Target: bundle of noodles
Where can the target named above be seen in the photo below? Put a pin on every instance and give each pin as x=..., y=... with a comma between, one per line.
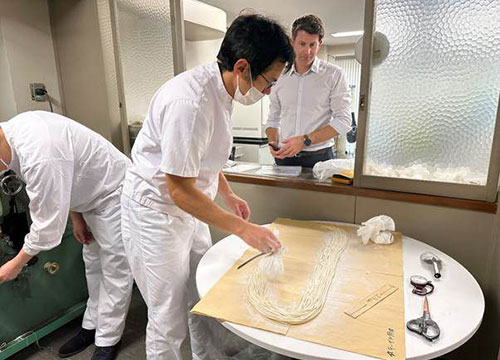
x=314, y=294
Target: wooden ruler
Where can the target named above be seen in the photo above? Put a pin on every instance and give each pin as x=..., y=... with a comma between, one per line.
x=365, y=304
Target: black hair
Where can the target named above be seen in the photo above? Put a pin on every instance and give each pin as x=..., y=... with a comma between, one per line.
x=257, y=39
x=311, y=24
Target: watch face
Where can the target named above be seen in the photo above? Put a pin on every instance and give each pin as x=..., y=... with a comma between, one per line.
x=307, y=141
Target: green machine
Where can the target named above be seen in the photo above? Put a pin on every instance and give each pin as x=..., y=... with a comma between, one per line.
x=48, y=293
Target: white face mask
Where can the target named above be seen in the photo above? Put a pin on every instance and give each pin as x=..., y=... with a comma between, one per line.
x=251, y=97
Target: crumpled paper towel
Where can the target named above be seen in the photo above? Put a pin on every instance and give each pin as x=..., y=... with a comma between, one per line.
x=373, y=230
x=323, y=170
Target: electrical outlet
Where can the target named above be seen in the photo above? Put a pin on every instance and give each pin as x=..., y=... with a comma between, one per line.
x=38, y=92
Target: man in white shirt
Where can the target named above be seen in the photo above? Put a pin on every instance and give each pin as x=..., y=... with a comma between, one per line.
x=309, y=104
x=168, y=194
x=68, y=168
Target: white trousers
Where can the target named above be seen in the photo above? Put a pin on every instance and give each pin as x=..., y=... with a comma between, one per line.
x=163, y=253
x=109, y=279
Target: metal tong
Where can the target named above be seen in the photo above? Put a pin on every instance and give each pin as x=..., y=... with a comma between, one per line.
x=434, y=260
x=424, y=325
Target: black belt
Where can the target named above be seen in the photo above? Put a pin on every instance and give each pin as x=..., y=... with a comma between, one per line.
x=313, y=153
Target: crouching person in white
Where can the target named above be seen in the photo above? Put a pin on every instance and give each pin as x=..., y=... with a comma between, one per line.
x=69, y=168
x=168, y=193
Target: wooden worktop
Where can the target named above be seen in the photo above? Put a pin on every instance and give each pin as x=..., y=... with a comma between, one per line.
x=307, y=182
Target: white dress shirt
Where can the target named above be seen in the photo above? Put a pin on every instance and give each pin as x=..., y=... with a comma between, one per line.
x=301, y=104
x=187, y=132
x=65, y=166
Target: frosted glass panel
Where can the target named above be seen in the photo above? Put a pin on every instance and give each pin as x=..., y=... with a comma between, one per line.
x=145, y=43
x=434, y=99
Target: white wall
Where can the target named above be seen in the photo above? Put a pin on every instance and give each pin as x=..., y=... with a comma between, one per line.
x=7, y=103
x=26, y=56
x=492, y=321
x=201, y=52
x=85, y=55
x=341, y=50
x=323, y=53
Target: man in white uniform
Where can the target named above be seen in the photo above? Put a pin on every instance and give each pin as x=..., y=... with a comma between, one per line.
x=168, y=194
x=69, y=168
x=310, y=105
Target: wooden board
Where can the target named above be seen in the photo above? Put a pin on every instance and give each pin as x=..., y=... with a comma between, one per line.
x=362, y=270
x=362, y=306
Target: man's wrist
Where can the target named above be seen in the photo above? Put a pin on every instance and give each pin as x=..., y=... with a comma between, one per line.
x=307, y=141
x=75, y=216
x=225, y=194
x=21, y=259
x=238, y=226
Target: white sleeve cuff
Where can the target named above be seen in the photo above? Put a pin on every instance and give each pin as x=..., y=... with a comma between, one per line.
x=341, y=124
x=30, y=251
x=171, y=169
x=32, y=245
x=272, y=124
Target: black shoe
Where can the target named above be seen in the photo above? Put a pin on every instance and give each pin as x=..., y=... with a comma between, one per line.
x=77, y=344
x=105, y=352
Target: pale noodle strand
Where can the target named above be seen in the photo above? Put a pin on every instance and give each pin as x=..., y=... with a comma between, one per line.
x=315, y=291
x=272, y=266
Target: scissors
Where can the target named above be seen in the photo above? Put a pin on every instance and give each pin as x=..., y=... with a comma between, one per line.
x=424, y=325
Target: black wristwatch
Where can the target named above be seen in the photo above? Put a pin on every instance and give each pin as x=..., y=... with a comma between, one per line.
x=307, y=141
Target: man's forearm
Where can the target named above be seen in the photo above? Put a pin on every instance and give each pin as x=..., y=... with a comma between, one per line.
x=324, y=134
x=21, y=259
x=224, y=189
x=11, y=269
x=272, y=135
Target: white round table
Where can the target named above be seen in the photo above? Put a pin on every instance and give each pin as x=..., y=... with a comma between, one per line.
x=457, y=304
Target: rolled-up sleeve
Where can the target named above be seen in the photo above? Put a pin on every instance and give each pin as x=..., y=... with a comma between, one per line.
x=340, y=104
x=274, y=117
x=185, y=136
x=48, y=185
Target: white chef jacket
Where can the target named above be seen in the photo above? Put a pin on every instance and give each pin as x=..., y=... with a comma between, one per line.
x=187, y=132
x=301, y=104
x=65, y=166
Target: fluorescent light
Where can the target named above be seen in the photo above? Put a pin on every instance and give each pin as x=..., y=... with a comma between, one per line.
x=348, y=33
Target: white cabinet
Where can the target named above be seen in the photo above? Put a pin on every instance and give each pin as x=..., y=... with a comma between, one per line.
x=255, y=153
x=205, y=26
x=203, y=21
x=249, y=121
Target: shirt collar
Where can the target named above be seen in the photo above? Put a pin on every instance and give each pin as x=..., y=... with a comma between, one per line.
x=224, y=96
x=314, y=67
